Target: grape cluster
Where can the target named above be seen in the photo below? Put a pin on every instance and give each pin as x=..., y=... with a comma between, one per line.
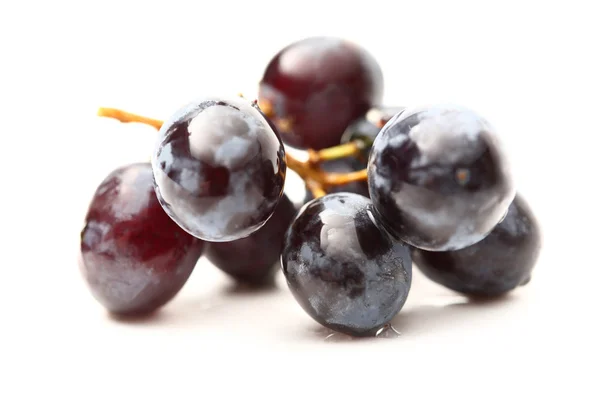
x=385, y=186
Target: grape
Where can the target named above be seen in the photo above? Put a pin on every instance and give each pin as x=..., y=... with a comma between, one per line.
x=342, y=269
x=439, y=178
x=367, y=128
x=133, y=256
x=253, y=259
x=219, y=169
x=361, y=129
x=320, y=85
x=497, y=264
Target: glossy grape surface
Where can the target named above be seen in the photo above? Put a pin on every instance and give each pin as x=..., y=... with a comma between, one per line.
x=361, y=129
x=253, y=259
x=133, y=256
x=342, y=269
x=320, y=85
x=497, y=264
x=219, y=169
x=439, y=178
x=366, y=129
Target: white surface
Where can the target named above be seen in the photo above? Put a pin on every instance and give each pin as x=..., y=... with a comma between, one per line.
x=528, y=67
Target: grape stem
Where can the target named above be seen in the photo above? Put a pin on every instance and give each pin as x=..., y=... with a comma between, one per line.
x=317, y=180
x=350, y=149
x=124, y=116
x=315, y=188
x=283, y=124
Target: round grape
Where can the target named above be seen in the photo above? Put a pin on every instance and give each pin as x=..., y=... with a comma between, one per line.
x=342, y=269
x=316, y=87
x=253, y=259
x=439, y=178
x=219, y=169
x=368, y=126
x=366, y=129
x=133, y=256
x=495, y=265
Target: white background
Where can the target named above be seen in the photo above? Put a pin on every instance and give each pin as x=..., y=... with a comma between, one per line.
x=528, y=67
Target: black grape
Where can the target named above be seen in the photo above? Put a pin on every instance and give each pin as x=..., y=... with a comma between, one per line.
x=219, y=168
x=499, y=263
x=253, y=259
x=439, y=178
x=343, y=270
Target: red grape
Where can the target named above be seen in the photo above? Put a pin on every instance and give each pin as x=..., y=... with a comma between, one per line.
x=134, y=257
x=316, y=87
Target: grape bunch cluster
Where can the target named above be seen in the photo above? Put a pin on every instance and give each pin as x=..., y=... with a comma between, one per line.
x=385, y=186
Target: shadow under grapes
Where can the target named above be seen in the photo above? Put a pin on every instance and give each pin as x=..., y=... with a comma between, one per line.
x=425, y=318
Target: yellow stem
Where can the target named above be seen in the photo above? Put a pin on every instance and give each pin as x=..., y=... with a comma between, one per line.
x=333, y=179
x=125, y=116
x=316, y=179
x=350, y=149
x=267, y=108
x=315, y=188
x=283, y=124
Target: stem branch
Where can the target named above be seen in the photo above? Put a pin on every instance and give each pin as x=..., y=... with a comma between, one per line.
x=125, y=116
x=317, y=180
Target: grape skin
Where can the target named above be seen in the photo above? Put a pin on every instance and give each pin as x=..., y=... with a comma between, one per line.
x=498, y=264
x=343, y=270
x=439, y=178
x=253, y=259
x=133, y=256
x=320, y=85
x=368, y=127
x=219, y=168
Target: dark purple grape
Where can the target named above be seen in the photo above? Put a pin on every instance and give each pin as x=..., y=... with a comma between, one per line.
x=368, y=127
x=345, y=272
x=497, y=264
x=320, y=85
x=253, y=259
x=439, y=178
x=219, y=169
x=343, y=166
x=362, y=129
x=133, y=256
